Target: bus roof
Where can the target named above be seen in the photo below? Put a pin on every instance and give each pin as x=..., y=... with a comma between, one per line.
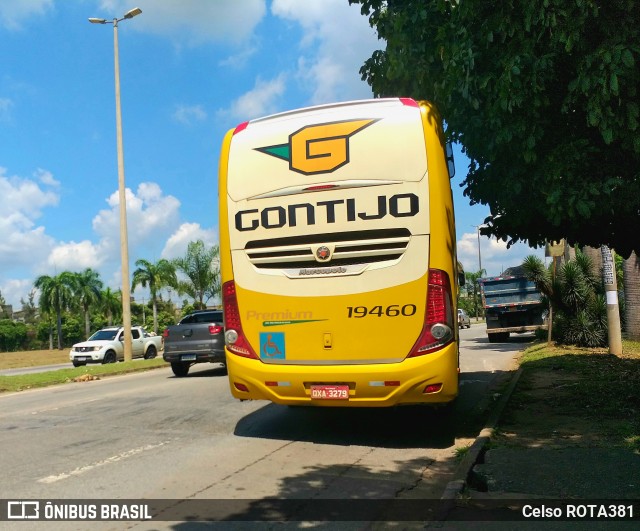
x=376, y=141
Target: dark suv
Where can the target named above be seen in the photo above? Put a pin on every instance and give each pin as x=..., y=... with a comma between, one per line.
x=197, y=338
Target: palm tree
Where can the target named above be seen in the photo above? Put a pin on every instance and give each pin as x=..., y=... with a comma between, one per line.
x=155, y=276
x=56, y=294
x=472, y=286
x=111, y=303
x=201, y=267
x=577, y=297
x=88, y=290
x=631, y=282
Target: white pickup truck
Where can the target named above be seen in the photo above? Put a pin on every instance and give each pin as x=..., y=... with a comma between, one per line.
x=107, y=346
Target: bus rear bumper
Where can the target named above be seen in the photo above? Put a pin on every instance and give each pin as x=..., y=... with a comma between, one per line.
x=428, y=379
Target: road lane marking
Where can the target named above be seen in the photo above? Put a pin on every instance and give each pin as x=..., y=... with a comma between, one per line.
x=109, y=460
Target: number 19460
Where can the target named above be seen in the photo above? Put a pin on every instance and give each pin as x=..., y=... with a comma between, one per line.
x=394, y=310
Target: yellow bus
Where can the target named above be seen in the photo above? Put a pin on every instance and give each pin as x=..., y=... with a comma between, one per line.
x=337, y=256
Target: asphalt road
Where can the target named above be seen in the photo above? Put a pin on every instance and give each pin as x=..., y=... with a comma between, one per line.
x=154, y=436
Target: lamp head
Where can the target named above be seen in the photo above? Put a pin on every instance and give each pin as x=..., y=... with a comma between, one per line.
x=133, y=13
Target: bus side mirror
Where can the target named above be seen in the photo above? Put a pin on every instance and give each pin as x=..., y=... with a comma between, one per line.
x=461, y=280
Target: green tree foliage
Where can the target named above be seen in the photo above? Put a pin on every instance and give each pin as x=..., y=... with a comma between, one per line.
x=154, y=276
x=56, y=295
x=87, y=290
x=201, y=268
x=72, y=330
x=111, y=305
x=29, y=308
x=13, y=336
x=543, y=97
x=577, y=298
x=141, y=314
x=472, y=287
x=4, y=313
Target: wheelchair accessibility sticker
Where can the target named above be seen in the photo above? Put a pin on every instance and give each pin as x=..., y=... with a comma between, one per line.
x=272, y=345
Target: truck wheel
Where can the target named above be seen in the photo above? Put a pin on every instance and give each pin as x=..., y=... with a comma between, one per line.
x=78, y=363
x=150, y=353
x=179, y=368
x=109, y=357
x=494, y=338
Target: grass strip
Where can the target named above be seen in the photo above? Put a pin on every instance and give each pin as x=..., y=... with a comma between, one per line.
x=22, y=382
x=584, y=383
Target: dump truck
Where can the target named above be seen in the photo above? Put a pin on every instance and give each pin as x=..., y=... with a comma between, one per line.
x=512, y=304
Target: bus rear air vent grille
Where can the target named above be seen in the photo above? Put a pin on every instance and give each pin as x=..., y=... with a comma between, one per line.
x=356, y=247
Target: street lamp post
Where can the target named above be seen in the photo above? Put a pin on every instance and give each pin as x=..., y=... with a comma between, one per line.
x=479, y=257
x=124, y=244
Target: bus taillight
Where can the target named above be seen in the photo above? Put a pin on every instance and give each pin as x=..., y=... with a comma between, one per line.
x=437, y=331
x=234, y=336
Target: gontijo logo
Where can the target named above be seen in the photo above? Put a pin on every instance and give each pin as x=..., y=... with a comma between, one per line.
x=320, y=148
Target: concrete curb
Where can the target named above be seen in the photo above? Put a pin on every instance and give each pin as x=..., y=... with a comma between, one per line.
x=459, y=481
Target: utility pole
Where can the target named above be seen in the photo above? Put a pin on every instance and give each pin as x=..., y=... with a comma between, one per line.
x=479, y=256
x=613, y=310
x=555, y=250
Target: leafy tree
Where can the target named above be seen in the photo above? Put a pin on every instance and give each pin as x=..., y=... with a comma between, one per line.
x=72, y=330
x=13, y=336
x=44, y=330
x=88, y=290
x=577, y=299
x=4, y=313
x=29, y=308
x=201, y=268
x=186, y=308
x=155, y=276
x=542, y=95
x=56, y=295
x=111, y=304
x=472, y=286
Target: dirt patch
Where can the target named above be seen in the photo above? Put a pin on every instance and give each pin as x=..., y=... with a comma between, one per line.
x=86, y=378
x=548, y=409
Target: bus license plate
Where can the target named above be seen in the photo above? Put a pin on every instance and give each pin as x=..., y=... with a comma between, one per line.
x=188, y=357
x=330, y=392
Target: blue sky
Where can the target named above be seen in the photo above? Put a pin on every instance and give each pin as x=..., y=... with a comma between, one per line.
x=190, y=70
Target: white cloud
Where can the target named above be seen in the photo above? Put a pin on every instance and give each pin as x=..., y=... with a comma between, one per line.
x=23, y=196
x=46, y=177
x=27, y=249
x=151, y=216
x=151, y=220
x=262, y=100
x=188, y=114
x=494, y=255
x=13, y=13
x=22, y=242
x=192, y=22
x=240, y=60
x=176, y=245
x=72, y=256
x=20, y=247
x=15, y=289
x=332, y=53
